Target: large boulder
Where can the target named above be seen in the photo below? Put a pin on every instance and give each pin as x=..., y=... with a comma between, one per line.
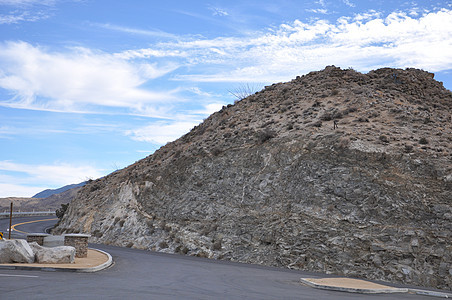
x=16, y=251
x=53, y=255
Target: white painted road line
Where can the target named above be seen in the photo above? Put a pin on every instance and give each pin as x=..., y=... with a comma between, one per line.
x=9, y=275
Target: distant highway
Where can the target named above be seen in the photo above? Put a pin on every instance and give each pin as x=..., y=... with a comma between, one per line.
x=139, y=274
x=22, y=225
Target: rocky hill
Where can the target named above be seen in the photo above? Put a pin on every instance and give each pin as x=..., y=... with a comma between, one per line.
x=270, y=180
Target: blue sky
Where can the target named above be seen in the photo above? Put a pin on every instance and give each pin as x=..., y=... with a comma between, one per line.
x=91, y=86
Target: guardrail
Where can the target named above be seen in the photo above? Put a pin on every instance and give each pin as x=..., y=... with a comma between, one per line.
x=4, y=215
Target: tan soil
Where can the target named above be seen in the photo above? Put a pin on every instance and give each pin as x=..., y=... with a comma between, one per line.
x=347, y=283
x=95, y=258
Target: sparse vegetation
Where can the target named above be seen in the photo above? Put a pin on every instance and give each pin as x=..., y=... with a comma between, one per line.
x=423, y=141
x=62, y=210
x=265, y=135
x=383, y=138
x=244, y=90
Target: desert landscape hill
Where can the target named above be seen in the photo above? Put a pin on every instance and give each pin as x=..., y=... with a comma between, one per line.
x=50, y=199
x=335, y=171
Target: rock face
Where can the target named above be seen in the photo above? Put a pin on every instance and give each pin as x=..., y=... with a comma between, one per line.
x=54, y=255
x=270, y=180
x=15, y=251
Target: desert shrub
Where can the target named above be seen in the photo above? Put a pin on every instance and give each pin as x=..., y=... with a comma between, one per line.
x=317, y=124
x=265, y=135
x=202, y=254
x=408, y=148
x=121, y=223
x=163, y=245
x=97, y=233
x=216, y=245
x=216, y=151
x=362, y=119
x=326, y=117
x=350, y=110
x=62, y=210
x=383, y=138
x=423, y=141
x=244, y=90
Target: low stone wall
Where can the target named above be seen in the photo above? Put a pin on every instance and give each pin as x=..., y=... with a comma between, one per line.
x=36, y=237
x=79, y=242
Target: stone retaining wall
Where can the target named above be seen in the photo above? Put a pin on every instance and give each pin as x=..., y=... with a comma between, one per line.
x=36, y=237
x=79, y=242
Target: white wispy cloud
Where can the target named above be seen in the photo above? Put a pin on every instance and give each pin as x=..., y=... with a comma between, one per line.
x=25, y=16
x=348, y=3
x=322, y=11
x=19, y=190
x=23, y=179
x=366, y=41
x=18, y=11
x=216, y=11
x=161, y=132
x=137, y=31
x=77, y=79
x=27, y=2
x=321, y=2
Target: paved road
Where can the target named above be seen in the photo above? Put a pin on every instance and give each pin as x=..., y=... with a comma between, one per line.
x=30, y=225
x=148, y=275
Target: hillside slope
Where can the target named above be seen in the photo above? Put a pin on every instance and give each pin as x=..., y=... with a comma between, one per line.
x=52, y=202
x=270, y=181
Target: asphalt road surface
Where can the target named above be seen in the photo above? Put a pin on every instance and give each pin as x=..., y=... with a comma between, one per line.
x=139, y=274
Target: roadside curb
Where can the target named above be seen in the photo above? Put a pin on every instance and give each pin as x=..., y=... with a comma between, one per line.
x=387, y=290
x=100, y=267
x=384, y=290
x=430, y=293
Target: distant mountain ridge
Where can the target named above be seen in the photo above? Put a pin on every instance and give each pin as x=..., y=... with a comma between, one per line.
x=49, y=192
x=57, y=197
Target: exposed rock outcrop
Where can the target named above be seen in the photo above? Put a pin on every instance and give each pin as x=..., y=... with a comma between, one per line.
x=270, y=180
x=53, y=255
x=15, y=251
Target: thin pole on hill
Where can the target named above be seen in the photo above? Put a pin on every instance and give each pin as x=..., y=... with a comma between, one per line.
x=10, y=221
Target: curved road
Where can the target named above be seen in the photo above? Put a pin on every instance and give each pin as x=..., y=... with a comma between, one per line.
x=141, y=274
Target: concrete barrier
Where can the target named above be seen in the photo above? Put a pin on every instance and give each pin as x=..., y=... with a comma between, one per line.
x=53, y=241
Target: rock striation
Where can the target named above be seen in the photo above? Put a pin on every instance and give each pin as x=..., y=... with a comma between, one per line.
x=335, y=171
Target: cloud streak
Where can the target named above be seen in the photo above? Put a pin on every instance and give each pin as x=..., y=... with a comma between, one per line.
x=161, y=132
x=77, y=80
x=35, y=177
x=365, y=42
x=136, y=31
